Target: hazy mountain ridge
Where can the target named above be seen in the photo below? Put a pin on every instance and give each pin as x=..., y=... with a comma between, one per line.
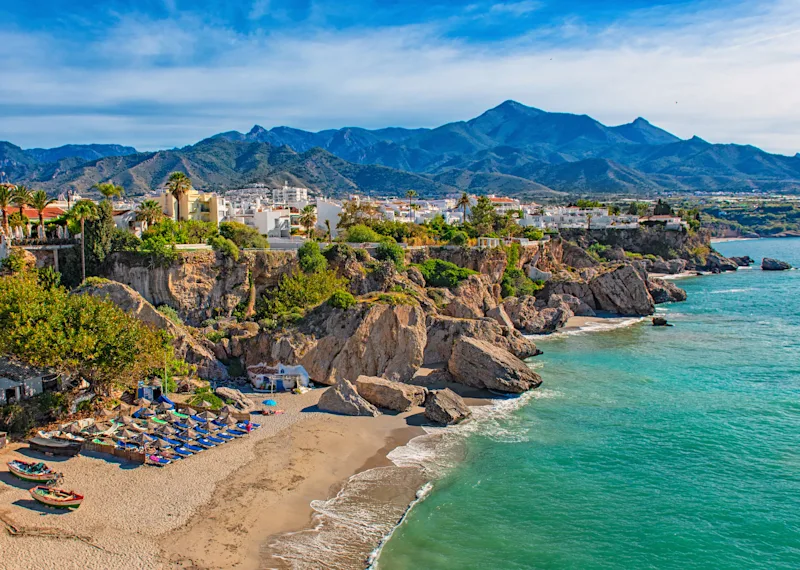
x=510, y=149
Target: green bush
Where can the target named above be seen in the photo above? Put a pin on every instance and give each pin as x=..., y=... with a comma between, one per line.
x=224, y=246
x=124, y=241
x=338, y=252
x=341, y=299
x=157, y=247
x=48, y=278
x=189, y=231
x=390, y=251
x=533, y=234
x=15, y=262
x=597, y=251
x=310, y=258
x=215, y=336
x=439, y=273
x=170, y=313
x=206, y=395
x=361, y=255
x=515, y=283
x=360, y=233
x=242, y=235
x=296, y=293
x=459, y=238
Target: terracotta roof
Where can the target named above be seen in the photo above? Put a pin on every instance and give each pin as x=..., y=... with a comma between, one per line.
x=49, y=213
x=502, y=200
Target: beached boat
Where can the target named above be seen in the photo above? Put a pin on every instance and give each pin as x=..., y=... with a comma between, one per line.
x=29, y=471
x=56, y=497
x=55, y=446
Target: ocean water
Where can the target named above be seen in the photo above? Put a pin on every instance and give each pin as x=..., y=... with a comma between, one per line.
x=646, y=447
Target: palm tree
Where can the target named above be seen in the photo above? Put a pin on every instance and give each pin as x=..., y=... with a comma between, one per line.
x=40, y=201
x=109, y=190
x=328, y=230
x=588, y=221
x=178, y=184
x=463, y=203
x=21, y=198
x=411, y=194
x=83, y=210
x=6, y=197
x=149, y=211
x=308, y=217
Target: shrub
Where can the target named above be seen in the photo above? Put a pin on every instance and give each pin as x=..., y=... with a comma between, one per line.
x=339, y=252
x=188, y=231
x=390, y=251
x=651, y=257
x=440, y=273
x=224, y=246
x=242, y=235
x=597, y=251
x=533, y=234
x=297, y=292
x=215, y=336
x=170, y=313
x=162, y=251
x=124, y=241
x=205, y=394
x=516, y=283
x=360, y=233
x=48, y=278
x=311, y=260
x=15, y=262
x=459, y=238
x=361, y=255
x=341, y=299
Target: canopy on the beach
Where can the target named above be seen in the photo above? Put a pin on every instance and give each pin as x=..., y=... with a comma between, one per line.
x=191, y=434
x=122, y=419
x=207, y=415
x=229, y=420
x=143, y=402
x=161, y=444
x=126, y=434
x=73, y=428
x=167, y=430
x=227, y=409
x=141, y=438
x=144, y=413
x=270, y=403
x=164, y=407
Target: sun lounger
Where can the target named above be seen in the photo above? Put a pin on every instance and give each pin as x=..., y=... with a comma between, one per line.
x=181, y=425
x=216, y=440
x=180, y=451
x=156, y=460
x=197, y=418
x=192, y=448
x=243, y=425
x=224, y=436
x=203, y=442
x=237, y=432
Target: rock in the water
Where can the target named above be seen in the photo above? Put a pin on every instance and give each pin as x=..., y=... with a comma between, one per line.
x=665, y=292
x=342, y=398
x=388, y=394
x=623, y=291
x=446, y=407
x=186, y=346
x=479, y=364
x=235, y=397
x=743, y=261
x=671, y=267
x=717, y=263
x=769, y=264
x=660, y=322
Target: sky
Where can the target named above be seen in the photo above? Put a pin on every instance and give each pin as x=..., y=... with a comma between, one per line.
x=164, y=73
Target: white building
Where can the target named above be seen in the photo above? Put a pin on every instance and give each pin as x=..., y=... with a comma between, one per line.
x=560, y=217
x=272, y=222
x=290, y=196
x=328, y=211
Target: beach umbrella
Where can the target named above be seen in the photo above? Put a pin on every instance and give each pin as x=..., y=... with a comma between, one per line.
x=126, y=434
x=141, y=438
x=73, y=428
x=164, y=407
x=122, y=419
x=106, y=413
x=270, y=403
x=207, y=415
x=229, y=420
x=167, y=430
x=142, y=402
x=190, y=422
x=191, y=434
x=226, y=409
x=145, y=413
x=161, y=444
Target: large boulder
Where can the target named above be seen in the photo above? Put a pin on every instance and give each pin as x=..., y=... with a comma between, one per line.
x=186, y=346
x=478, y=364
x=577, y=306
x=473, y=298
x=342, y=398
x=446, y=407
x=671, y=267
x=388, y=394
x=532, y=316
x=578, y=288
x=664, y=291
x=577, y=257
x=716, y=263
x=743, y=261
x=235, y=398
x=443, y=332
x=371, y=339
x=769, y=264
x=622, y=290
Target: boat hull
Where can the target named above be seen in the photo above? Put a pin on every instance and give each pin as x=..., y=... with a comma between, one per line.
x=54, y=447
x=32, y=477
x=66, y=503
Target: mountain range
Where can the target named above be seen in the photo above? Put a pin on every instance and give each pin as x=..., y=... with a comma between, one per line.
x=511, y=149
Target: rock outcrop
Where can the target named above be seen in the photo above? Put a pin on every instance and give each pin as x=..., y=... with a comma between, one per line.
x=443, y=332
x=478, y=364
x=623, y=291
x=446, y=407
x=235, y=398
x=743, y=261
x=533, y=316
x=185, y=345
x=390, y=395
x=716, y=263
x=473, y=298
x=769, y=264
x=664, y=291
x=342, y=398
x=670, y=267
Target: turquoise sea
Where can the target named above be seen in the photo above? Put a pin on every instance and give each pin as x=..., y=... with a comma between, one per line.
x=646, y=447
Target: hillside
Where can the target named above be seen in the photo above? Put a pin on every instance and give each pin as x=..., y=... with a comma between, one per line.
x=510, y=149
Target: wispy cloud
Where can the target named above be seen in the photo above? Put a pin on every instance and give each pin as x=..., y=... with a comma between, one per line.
x=516, y=8
x=727, y=76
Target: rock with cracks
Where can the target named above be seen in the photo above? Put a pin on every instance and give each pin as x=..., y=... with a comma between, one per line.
x=769, y=264
x=388, y=394
x=479, y=364
x=235, y=398
x=446, y=407
x=342, y=398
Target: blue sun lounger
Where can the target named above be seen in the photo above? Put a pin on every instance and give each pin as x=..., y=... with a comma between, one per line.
x=224, y=436
x=203, y=442
x=214, y=439
x=192, y=448
x=182, y=452
x=243, y=425
x=157, y=460
x=237, y=432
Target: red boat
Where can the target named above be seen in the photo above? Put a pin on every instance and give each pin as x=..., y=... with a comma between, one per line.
x=56, y=497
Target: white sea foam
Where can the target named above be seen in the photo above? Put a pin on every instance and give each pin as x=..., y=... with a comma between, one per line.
x=599, y=326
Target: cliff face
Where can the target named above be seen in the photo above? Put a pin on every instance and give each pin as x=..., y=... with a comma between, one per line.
x=201, y=285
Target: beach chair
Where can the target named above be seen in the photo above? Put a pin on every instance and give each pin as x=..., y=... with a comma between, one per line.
x=181, y=452
x=237, y=432
x=192, y=448
x=224, y=436
x=215, y=439
x=203, y=442
x=157, y=460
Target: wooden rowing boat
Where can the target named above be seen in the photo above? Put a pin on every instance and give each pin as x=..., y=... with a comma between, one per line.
x=54, y=446
x=56, y=497
x=29, y=471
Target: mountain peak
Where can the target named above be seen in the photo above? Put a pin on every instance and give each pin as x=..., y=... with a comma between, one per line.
x=257, y=130
x=641, y=122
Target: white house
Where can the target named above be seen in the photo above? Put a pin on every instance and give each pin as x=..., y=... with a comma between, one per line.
x=277, y=378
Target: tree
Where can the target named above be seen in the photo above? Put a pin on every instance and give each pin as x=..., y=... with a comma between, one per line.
x=99, y=237
x=40, y=201
x=178, y=184
x=662, y=209
x=614, y=210
x=6, y=198
x=483, y=215
x=82, y=211
x=411, y=194
x=243, y=235
x=328, y=233
x=109, y=190
x=21, y=198
x=308, y=217
x=589, y=221
x=356, y=213
x=149, y=211
x=463, y=203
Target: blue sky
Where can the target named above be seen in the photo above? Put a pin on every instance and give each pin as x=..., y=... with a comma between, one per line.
x=163, y=73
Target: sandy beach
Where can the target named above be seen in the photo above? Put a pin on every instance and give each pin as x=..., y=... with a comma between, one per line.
x=213, y=510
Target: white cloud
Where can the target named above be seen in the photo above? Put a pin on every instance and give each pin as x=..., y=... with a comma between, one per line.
x=516, y=8
x=725, y=76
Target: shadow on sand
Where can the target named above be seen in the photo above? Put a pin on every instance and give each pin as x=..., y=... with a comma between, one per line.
x=32, y=505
